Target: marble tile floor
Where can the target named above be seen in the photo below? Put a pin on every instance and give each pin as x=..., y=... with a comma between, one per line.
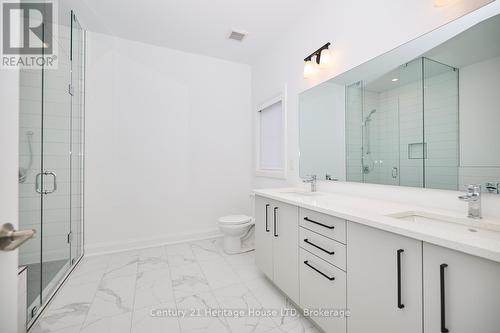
x=188, y=287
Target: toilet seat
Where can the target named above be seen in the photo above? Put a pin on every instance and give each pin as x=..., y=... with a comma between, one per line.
x=234, y=219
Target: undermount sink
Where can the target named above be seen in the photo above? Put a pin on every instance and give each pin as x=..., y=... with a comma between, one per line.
x=302, y=193
x=421, y=217
x=430, y=218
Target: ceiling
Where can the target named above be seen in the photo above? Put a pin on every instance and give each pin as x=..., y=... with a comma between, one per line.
x=193, y=26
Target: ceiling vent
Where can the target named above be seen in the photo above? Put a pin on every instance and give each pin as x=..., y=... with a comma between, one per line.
x=237, y=35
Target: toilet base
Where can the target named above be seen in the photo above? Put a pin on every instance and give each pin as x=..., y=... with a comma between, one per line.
x=232, y=245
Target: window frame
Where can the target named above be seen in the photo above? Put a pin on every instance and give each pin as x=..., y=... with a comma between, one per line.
x=271, y=173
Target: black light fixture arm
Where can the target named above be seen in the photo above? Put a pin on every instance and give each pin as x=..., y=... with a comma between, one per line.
x=317, y=53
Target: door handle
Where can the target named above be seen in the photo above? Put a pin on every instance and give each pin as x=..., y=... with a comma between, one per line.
x=400, y=303
x=443, y=298
x=54, y=176
x=11, y=239
x=39, y=189
x=267, y=225
x=394, y=172
x=275, y=221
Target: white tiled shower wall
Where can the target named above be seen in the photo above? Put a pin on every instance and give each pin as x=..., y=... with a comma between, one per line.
x=56, y=148
x=398, y=123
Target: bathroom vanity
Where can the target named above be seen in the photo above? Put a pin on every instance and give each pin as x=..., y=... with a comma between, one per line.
x=393, y=267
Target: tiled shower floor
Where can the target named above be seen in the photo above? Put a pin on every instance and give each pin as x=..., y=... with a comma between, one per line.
x=120, y=292
x=50, y=270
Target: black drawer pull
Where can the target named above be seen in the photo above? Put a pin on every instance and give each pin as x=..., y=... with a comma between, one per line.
x=400, y=303
x=443, y=299
x=267, y=224
x=321, y=224
x=319, y=247
x=320, y=272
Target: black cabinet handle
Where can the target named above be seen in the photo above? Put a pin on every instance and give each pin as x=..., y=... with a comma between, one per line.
x=319, y=247
x=321, y=224
x=267, y=225
x=443, y=299
x=320, y=272
x=400, y=304
x=275, y=221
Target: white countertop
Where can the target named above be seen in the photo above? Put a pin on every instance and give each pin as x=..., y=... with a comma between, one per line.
x=482, y=243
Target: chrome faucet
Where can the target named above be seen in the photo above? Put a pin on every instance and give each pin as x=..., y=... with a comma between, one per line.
x=312, y=179
x=473, y=197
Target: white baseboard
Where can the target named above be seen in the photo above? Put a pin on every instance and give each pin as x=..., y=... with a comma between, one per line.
x=120, y=246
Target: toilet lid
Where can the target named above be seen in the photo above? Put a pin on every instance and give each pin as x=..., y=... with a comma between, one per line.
x=235, y=219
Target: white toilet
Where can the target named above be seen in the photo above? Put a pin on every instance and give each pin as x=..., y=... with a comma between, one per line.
x=235, y=228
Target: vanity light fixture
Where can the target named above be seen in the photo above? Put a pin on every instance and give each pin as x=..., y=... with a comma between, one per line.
x=321, y=58
x=395, y=79
x=310, y=68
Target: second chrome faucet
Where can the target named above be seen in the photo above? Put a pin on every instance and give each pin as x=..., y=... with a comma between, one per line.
x=473, y=197
x=312, y=179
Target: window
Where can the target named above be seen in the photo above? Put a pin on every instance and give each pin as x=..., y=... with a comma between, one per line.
x=271, y=138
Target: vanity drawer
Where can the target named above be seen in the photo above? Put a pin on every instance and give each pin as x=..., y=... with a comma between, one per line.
x=322, y=286
x=325, y=248
x=326, y=225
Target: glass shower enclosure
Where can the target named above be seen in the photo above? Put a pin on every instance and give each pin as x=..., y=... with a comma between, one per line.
x=51, y=141
x=402, y=127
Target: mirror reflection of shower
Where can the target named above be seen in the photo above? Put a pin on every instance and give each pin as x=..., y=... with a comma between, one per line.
x=23, y=171
x=367, y=160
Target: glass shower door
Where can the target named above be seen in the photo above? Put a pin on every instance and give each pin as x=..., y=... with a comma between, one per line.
x=441, y=125
x=51, y=167
x=30, y=164
x=413, y=148
x=77, y=62
x=54, y=182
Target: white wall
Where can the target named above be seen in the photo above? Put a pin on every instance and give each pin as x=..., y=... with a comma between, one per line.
x=358, y=32
x=168, y=142
x=479, y=120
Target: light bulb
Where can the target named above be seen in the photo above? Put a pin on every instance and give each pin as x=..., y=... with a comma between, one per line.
x=309, y=68
x=325, y=58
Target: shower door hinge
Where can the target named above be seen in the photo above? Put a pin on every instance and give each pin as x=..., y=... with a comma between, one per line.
x=70, y=89
x=70, y=237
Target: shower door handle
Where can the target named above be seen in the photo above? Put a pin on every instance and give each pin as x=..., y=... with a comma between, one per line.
x=395, y=172
x=54, y=177
x=38, y=189
x=37, y=182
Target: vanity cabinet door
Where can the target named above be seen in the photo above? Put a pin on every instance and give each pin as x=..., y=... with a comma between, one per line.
x=264, y=235
x=384, y=281
x=285, y=248
x=461, y=292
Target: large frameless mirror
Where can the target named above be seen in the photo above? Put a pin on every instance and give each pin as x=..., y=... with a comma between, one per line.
x=430, y=119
